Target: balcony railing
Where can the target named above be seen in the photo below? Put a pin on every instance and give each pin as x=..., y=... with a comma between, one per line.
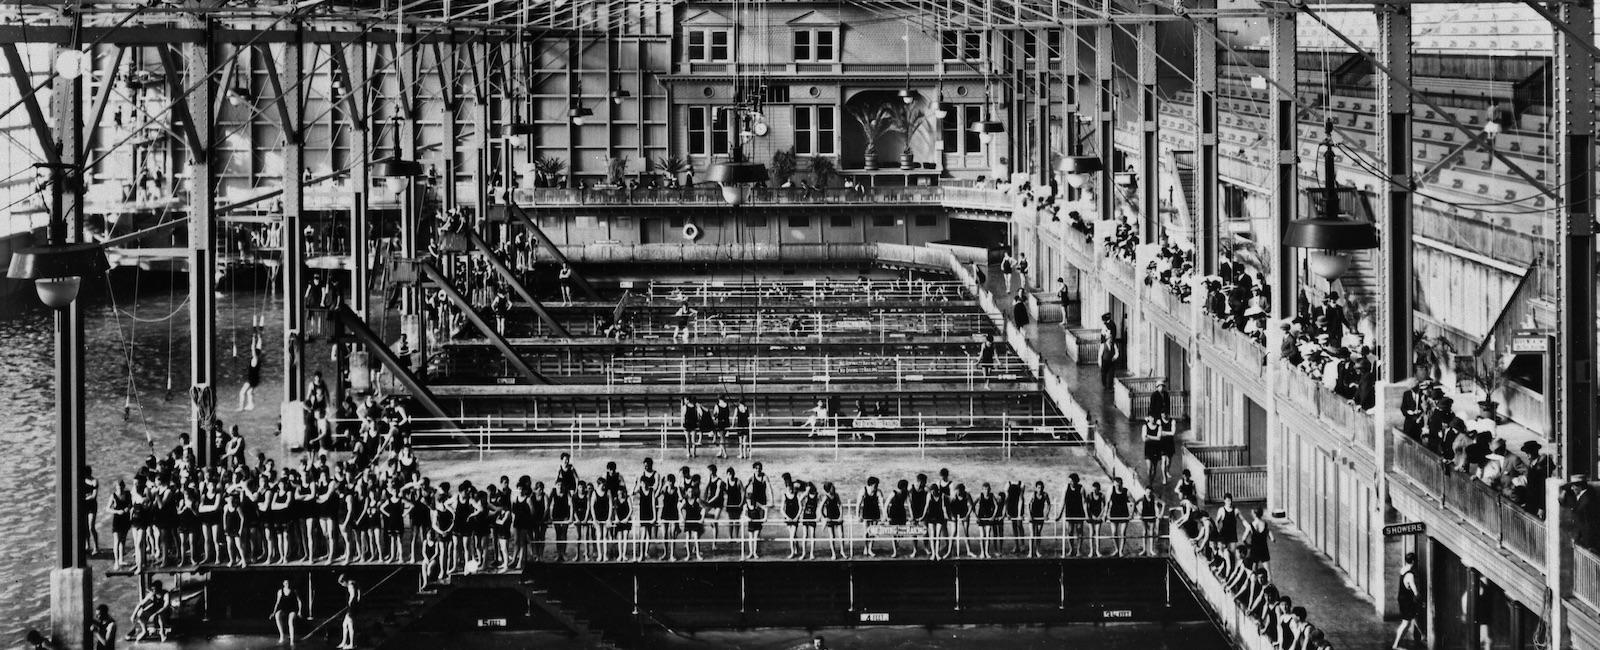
x=711, y=195
x=1500, y=521
x=1316, y=399
x=1243, y=348
x=1121, y=270
x=1586, y=577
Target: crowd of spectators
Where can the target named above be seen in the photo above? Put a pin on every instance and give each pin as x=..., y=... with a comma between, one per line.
x=1172, y=268
x=1472, y=449
x=1238, y=297
x=1320, y=342
x=1238, y=553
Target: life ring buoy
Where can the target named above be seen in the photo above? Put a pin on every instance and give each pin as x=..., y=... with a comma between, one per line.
x=691, y=232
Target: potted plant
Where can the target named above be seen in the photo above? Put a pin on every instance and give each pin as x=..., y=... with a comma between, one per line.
x=906, y=119
x=783, y=166
x=672, y=166
x=546, y=169
x=875, y=121
x=616, y=170
x=1490, y=378
x=823, y=170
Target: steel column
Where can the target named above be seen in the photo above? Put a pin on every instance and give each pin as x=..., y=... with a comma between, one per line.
x=292, y=273
x=1205, y=214
x=1105, y=113
x=356, y=68
x=1394, y=106
x=1574, y=390
x=71, y=586
x=202, y=245
x=1286, y=184
x=1149, y=137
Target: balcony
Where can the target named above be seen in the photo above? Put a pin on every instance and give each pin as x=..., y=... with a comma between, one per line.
x=1222, y=470
x=1245, y=351
x=1499, y=522
x=707, y=195
x=1132, y=397
x=1315, y=399
x=1119, y=273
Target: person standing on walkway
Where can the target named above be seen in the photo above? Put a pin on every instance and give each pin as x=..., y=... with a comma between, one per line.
x=1007, y=265
x=1257, y=537
x=347, y=627
x=1022, y=271
x=1410, y=599
x=1019, y=310
x=1110, y=350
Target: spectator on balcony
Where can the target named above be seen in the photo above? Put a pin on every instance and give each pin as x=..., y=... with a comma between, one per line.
x=1580, y=497
x=1331, y=319
x=1160, y=401
x=1411, y=404
x=1528, y=490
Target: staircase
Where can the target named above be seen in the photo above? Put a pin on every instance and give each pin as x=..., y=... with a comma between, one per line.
x=401, y=611
x=1361, y=280
x=581, y=628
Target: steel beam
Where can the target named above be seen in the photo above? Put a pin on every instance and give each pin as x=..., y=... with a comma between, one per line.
x=70, y=607
x=1394, y=106
x=495, y=338
x=30, y=101
x=527, y=221
x=1207, y=221
x=356, y=327
x=516, y=284
x=195, y=110
x=1574, y=108
x=1149, y=136
x=355, y=67
x=109, y=74
x=1106, y=114
x=1286, y=184
x=289, y=99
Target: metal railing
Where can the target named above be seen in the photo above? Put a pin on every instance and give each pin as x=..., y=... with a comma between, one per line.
x=706, y=194
x=705, y=292
x=1005, y=431
x=1243, y=348
x=710, y=253
x=1501, y=521
x=878, y=325
x=1244, y=628
x=753, y=371
x=1220, y=455
x=1586, y=577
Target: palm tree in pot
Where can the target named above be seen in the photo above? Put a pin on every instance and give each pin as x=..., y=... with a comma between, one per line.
x=875, y=121
x=547, y=169
x=823, y=170
x=907, y=120
x=672, y=166
x=783, y=166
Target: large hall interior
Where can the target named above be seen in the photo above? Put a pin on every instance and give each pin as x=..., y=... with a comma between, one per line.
x=1263, y=324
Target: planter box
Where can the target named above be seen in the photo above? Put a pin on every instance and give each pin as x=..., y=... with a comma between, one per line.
x=1129, y=390
x=1083, y=345
x=1044, y=310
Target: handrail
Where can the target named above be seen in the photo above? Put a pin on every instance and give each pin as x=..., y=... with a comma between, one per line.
x=346, y=608
x=1494, y=516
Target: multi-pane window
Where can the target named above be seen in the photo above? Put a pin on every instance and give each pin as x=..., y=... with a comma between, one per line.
x=814, y=128
x=961, y=45
x=708, y=131
x=709, y=45
x=815, y=45
x=956, y=129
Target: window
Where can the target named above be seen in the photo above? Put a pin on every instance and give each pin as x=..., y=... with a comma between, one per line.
x=956, y=129
x=950, y=45
x=813, y=130
x=882, y=221
x=1030, y=41
x=927, y=220
x=708, y=131
x=799, y=221
x=839, y=221
x=815, y=45
x=1052, y=44
x=708, y=45
x=972, y=46
x=974, y=140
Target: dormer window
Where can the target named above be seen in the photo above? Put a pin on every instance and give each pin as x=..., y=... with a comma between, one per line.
x=816, y=45
x=709, y=45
